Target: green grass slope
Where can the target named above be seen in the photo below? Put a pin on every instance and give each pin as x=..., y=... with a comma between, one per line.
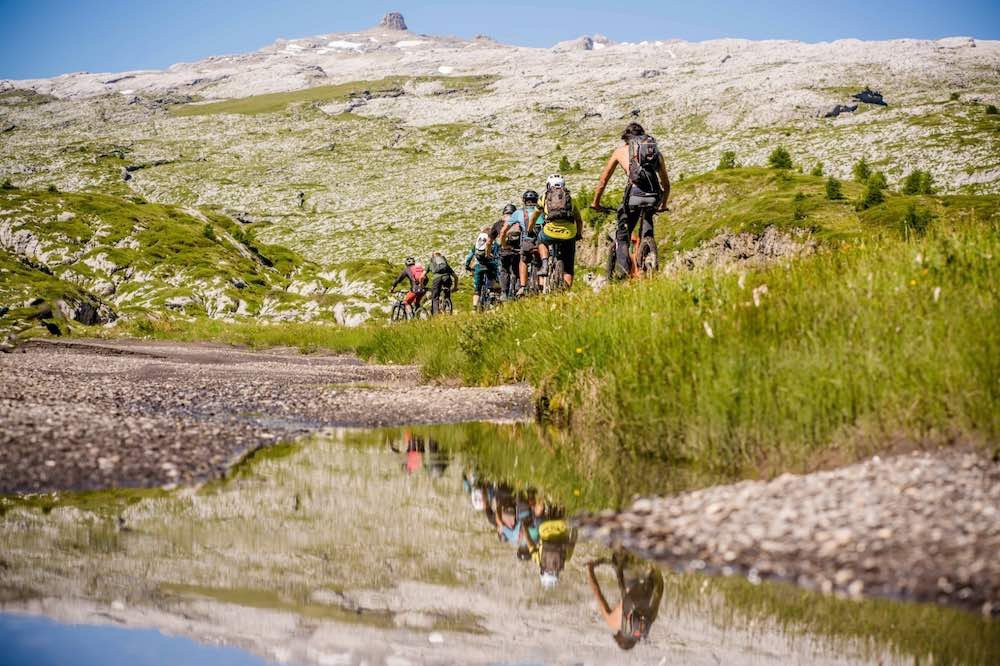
x=126, y=256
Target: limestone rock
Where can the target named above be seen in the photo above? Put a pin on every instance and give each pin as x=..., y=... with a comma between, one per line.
x=393, y=21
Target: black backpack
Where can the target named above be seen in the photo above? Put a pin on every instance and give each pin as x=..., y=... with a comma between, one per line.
x=558, y=204
x=643, y=162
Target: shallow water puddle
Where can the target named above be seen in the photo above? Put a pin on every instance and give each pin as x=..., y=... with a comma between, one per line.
x=435, y=544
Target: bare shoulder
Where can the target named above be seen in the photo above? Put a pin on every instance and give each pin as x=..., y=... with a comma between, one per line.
x=621, y=155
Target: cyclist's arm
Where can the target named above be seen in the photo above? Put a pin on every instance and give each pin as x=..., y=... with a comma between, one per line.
x=531, y=221
x=402, y=276
x=664, y=183
x=602, y=603
x=503, y=233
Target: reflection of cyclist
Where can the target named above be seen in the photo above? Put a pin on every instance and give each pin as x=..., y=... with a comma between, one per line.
x=422, y=454
x=641, y=587
x=415, y=274
x=552, y=550
x=647, y=190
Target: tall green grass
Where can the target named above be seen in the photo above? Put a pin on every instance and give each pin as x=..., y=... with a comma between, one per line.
x=845, y=352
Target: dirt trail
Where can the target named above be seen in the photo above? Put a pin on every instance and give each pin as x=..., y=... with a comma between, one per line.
x=96, y=414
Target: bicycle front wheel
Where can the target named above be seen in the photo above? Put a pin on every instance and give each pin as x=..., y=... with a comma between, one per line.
x=398, y=312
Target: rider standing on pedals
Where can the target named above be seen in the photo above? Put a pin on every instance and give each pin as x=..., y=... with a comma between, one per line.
x=645, y=194
x=484, y=252
x=444, y=278
x=509, y=250
x=515, y=234
x=417, y=276
x=562, y=226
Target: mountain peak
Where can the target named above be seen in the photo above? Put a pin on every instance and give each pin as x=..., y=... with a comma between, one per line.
x=393, y=21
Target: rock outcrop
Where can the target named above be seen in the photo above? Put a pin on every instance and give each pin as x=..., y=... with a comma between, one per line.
x=392, y=21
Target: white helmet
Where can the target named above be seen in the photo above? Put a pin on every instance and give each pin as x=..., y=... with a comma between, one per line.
x=555, y=180
x=548, y=580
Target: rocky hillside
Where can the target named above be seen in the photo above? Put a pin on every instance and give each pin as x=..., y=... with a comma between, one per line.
x=377, y=144
x=91, y=258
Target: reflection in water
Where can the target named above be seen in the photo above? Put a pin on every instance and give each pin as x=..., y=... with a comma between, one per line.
x=640, y=591
x=360, y=548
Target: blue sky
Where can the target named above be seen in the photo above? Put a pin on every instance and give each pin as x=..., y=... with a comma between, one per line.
x=41, y=38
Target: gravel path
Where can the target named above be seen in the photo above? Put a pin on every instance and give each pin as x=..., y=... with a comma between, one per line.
x=96, y=414
x=924, y=527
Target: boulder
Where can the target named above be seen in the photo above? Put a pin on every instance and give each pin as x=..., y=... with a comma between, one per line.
x=839, y=109
x=869, y=96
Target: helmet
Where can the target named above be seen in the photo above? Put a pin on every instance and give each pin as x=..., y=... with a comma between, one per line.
x=530, y=197
x=509, y=209
x=548, y=580
x=555, y=180
x=409, y=261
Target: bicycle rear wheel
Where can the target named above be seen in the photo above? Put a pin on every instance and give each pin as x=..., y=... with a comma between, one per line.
x=648, y=259
x=554, y=281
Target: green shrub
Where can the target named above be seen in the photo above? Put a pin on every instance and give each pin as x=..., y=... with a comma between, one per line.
x=576, y=166
x=833, y=189
x=780, y=158
x=918, y=182
x=954, y=97
x=817, y=170
x=991, y=109
x=564, y=165
x=208, y=232
x=727, y=161
x=877, y=179
x=7, y=185
x=873, y=196
x=799, y=210
x=52, y=189
x=861, y=171
x=916, y=220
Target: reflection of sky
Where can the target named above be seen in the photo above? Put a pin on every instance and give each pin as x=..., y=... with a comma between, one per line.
x=35, y=641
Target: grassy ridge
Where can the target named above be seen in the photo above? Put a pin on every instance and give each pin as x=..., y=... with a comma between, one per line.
x=845, y=352
x=692, y=371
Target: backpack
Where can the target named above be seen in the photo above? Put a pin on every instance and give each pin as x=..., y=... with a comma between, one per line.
x=558, y=204
x=643, y=160
x=514, y=233
x=439, y=264
x=417, y=273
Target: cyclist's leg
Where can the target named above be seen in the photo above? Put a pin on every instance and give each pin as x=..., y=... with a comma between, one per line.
x=477, y=281
x=505, y=276
x=436, y=292
x=543, y=253
x=647, y=222
x=568, y=255
x=408, y=301
x=627, y=219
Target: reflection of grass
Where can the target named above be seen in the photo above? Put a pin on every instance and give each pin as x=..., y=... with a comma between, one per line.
x=945, y=635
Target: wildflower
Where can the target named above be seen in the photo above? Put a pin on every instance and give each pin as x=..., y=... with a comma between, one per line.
x=742, y=282
x=758, y=292
x=576, y=492
x=579, y=350
x=919, y=258
x=913, y=283
x=937, y=294
x=708, y=330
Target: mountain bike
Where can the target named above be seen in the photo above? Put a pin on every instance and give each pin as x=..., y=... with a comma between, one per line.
x=535, y=281
x=643, y=254
x=487, y=297
x=443, y=305
x=403, y=312
x=555, y=281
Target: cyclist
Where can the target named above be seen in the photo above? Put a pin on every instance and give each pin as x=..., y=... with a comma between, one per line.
x=445, y=278
x=561, y=225
x=640, y=585
x=509, y=251
x=417, y=276
x=483, y=252
x=515, y=232
x=645, y=194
